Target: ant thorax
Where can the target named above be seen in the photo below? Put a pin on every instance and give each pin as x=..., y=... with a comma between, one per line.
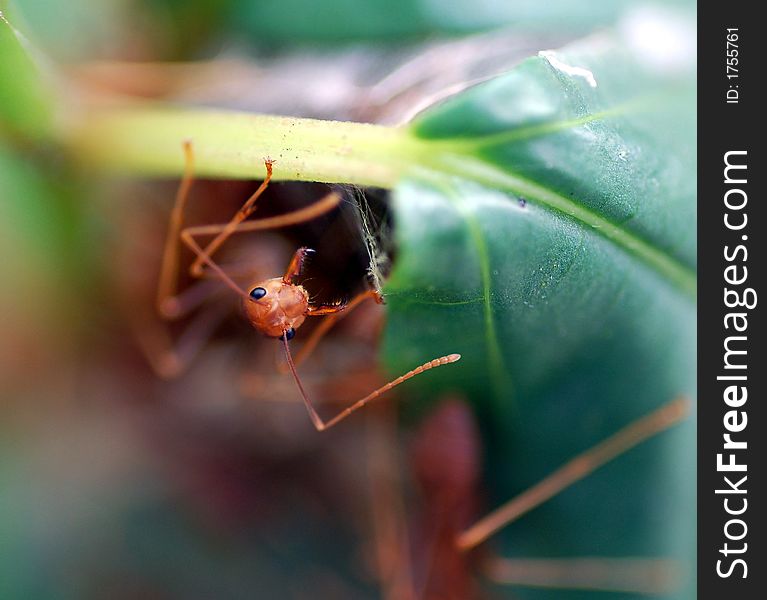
x=274, y=307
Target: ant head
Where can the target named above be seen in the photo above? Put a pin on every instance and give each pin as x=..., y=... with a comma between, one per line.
x=275, y=307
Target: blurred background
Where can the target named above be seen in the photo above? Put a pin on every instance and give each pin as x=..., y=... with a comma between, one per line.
x=118, y=483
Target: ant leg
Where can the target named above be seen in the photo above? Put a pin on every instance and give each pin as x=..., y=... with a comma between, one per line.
x=167, y=301
x=388, y=520
x=301, y=215
x=168, y=358
x=334, y=313
x=184, y=302
x=321, y=425
x=167, y=287
x=296, y=265
x=576, y=469
x=245, y=211
x=187, y=236
x=172, y=304
x=650, y=576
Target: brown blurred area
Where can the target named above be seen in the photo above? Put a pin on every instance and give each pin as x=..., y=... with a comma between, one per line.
x=119, y=483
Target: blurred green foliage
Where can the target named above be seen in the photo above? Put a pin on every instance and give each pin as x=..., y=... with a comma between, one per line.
x=26, y=103
x=178, y=29
x=571, y=323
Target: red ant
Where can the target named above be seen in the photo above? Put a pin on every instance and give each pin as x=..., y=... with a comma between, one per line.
x=275, y=307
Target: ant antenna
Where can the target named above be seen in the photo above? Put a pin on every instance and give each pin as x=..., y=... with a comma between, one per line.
x=321, y=425
x=576, y=469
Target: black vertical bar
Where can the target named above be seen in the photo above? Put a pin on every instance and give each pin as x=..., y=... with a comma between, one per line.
x=730, y=119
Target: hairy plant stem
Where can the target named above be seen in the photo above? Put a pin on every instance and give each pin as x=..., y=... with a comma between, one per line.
x=147, y=141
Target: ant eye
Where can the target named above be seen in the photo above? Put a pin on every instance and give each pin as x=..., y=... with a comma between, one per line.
x=257, y=293
x=288, y=334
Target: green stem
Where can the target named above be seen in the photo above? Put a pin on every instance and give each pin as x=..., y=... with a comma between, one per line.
x=147, y=141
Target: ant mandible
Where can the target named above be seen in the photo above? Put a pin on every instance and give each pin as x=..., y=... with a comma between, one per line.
x=275, y=307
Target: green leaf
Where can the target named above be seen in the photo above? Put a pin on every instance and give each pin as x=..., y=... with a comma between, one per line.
x=550, y=239
x=25, y=104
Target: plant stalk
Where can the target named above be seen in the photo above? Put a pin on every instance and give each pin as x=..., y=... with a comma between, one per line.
x=147, y=141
